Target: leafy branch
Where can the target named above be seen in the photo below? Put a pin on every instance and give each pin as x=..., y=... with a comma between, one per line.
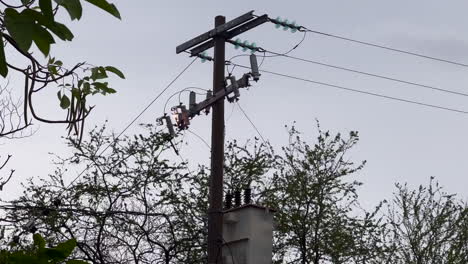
x=35, y=22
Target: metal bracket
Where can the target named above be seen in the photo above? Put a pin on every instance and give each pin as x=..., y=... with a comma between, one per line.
x=235, y=89
x=241, y=83
x=214, y=32
x=230, y=34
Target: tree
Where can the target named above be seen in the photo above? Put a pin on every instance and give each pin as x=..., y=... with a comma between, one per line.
x=34, y=21
x=120, y=211
x=5, y=179
x=427, y=226
x=133, y=205
x=316, y=202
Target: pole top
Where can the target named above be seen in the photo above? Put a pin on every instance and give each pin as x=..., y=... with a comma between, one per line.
x=220, y=20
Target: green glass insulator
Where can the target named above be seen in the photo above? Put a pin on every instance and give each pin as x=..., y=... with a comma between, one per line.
x=293, y=27
x=286, y=23
x=203, y=56
x=246, y=45
x=237, y=45
x=279, y=20
x=253, y=47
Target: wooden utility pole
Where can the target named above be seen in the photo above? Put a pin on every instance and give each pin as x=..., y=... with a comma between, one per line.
x=215, y=216
x=217, y=38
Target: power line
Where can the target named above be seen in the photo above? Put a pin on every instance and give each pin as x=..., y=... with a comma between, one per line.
x=138, y=116
x=264, y=54
x=361, y=92
x=384, y=47
x=370, y=74
x=199, y=137
x=250, y=121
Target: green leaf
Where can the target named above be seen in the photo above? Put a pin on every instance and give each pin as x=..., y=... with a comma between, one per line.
x=46, y=8
x=66, y=247
x=98, y=73
x=42, y=38
x=110, y=90
x=20, y=26
x=86, y=88
x=73, y=7
x=64, y=102
x=61, y=31
x=3, y=64
x=115, y=71
x=39, y=241
x=100, y=85
x=55, y=254
x=106, y=6
x=57, y=28
x=25, y=2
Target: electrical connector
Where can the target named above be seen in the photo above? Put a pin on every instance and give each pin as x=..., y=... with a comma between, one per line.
x=181, y=116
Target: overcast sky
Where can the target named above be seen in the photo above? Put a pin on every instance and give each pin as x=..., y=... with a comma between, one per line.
x=401, y=142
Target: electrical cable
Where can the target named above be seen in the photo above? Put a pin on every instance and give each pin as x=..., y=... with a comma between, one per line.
x=230, y=114
x=252, y=123
x=361, y=92
x=370, y=74
x=199, y=137
x=289, y=51
x=264, y=55
x=185, y=90
x=181, y=91
x=384, y=47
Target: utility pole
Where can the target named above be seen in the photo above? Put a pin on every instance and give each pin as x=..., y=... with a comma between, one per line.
x=215, y=215
x=217, y=38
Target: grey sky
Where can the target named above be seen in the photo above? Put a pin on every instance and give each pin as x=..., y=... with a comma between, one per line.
x=401, y=142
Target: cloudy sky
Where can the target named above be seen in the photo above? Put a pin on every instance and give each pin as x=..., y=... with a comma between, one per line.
x=400, y=141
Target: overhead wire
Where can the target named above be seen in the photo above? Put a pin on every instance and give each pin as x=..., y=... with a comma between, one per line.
x=360, y=91
x=394, y=79
x=370, y=74
x=201, y=138
x=264, y=54
x=251, y=122
x=384, y=47
x=366, y=43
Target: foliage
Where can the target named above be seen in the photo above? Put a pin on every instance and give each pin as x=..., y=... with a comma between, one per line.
x=427, y=225
x=38, y=253
x=35, y=21
x=119, y=210
x=315, y=202
x=248, y=166
x=5, y=180
x=133, y=205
